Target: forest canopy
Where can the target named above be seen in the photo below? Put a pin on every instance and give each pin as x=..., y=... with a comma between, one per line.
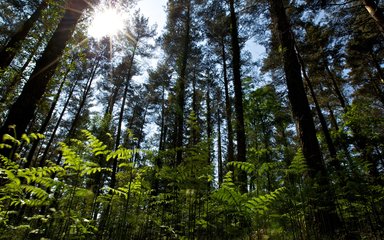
x=209, y=141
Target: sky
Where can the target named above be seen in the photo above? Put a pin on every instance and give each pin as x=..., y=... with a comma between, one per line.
x=154, y=10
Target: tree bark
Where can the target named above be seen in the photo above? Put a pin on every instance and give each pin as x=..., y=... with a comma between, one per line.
x=228, y=108
x=180, y=86
x=323, y=122
x=236, y=66
x=325, y=216
x=22, y=111
x=209, y=120
x=219, y=150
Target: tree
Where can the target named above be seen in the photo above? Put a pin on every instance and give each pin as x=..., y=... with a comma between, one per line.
x=236, y=67
x=303, y=118
x=182, y=70
x=22, y=111
x=8, y=52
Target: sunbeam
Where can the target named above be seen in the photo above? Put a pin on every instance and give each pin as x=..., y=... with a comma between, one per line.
x=107, y=21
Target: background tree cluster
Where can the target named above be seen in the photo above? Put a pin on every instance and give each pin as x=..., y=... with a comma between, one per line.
x=211, y=143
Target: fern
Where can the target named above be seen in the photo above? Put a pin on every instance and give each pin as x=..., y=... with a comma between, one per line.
x=118, y=192
x=120, y=154
x=72, y=160
x=260, y=204
x=267, y=167
x=36, y=136
x=298, y=165
x=245, y=166
x=35, y=191
x=31, y=137
x=40, y=175
x=7, y=137
x=227, y=193
x=97, y=146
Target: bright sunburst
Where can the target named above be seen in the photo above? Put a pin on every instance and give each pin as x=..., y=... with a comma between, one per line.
x=106, y=21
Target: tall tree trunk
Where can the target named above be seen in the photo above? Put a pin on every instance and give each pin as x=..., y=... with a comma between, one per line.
x=83, y=99
x=140, y=136
x=162, y=124
x=228, y=108
x=219, y=150
x=209, y=120
x=323, y=122
x=46, y=120
x=180, y=85
x=240, y=128
x=10, y=88
x=8, y=52
x=375, y=12
x=195, y=133
x=53, y=134
x=112, y=183
x=112, y=100
x=325, y=216
x=336, y=87
x=121, y=116
x=22, y=111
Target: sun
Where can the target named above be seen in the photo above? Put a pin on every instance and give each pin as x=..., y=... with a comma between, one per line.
x=107, y=21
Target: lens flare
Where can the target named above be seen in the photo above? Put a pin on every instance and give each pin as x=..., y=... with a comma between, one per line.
x=106, y=22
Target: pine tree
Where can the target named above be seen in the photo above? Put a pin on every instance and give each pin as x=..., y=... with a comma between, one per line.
x=303, y=119
x=22, y=111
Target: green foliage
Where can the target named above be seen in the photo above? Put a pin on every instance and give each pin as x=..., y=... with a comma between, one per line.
x=54, y=185
x=261, y=204
x=228, y=194
x=244, y=166
x=98, y=147
x=26, y=186
x=298, y=165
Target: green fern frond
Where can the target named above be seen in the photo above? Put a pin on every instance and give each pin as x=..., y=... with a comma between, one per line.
x=8, y=164
x=36, y=136
x=120, y=154
x=97, y=146
x=7, y=137
x=5, y=146
x=260, y=204
x=26, y=138
x=11, y=177
x=298, y=165
x=93, y=170
x=228, y=193
x=35, y=191
x=72, y=160
x=245, y=166
x=267, y=167
x=118, y=192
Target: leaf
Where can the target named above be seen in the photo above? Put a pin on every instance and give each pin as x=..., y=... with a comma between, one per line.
x=245, y=166
x=7, y=137
x=260, y=204
x=97, y=146
x=298, y=165
x=26, y=138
